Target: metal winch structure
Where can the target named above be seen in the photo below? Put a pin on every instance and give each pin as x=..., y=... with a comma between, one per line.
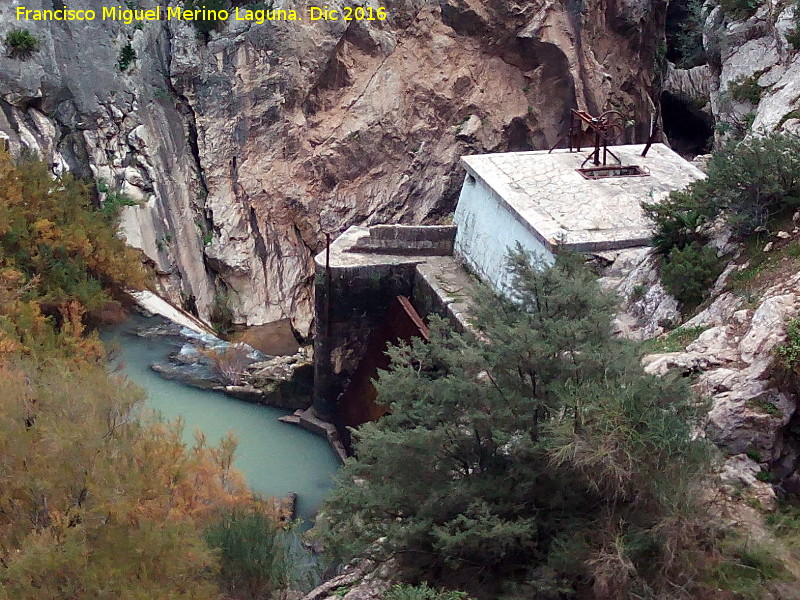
x=597, y=133
x=608, y=127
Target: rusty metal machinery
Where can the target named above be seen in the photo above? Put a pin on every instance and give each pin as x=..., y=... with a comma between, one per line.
x=608, y=127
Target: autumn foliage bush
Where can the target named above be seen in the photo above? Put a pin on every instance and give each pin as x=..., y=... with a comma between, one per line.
x=50, y=232
x=93, y=496
x=97, y=498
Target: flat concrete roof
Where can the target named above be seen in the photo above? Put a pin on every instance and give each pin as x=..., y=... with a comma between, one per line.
x=344, y=252
x=562, y=208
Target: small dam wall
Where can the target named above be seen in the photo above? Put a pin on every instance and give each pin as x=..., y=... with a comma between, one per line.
x=363, y=275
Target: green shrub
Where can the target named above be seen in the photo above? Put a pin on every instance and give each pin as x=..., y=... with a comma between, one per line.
x=750, y=183
x=754, y=455
x=687, y=273
x=422, y=592
x=792, y=114
x=675, y=341
x=637, y=293
x=788, y=352
x=114, y=200
x=746, y=567
x=764, y=405
x=740, y=10
x=126, y=56
x=21, y=43
x=755, y=181
x=679, y=221
x=785, y=522
x=253, y=557
x=746, y=89
x=793, y=37
x=766, y=477
x=221, y=314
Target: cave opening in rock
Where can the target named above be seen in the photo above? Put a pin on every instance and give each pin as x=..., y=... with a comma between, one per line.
x=519, y=136
x=690, y=130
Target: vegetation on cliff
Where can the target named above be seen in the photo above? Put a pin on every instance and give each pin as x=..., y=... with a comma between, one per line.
x=684, y=33
x=58, y=249
x=751, y=184
x=97, y=500
x=21, y=43
x=536, y=458
x=203, y=25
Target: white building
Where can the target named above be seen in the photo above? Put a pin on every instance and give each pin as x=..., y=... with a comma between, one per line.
x=546, y=200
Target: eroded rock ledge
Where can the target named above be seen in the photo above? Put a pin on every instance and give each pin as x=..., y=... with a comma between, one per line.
x=753, y=407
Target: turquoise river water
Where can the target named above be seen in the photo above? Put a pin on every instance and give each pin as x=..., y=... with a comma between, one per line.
x=274, y=457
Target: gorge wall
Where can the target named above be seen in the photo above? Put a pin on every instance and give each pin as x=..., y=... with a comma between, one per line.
x=749, y=79
x=245, y=148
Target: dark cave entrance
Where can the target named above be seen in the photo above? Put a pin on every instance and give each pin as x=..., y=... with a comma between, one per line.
x=690, y=130
x=519, y=136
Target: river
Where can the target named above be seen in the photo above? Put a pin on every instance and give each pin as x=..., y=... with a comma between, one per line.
x=274, y=457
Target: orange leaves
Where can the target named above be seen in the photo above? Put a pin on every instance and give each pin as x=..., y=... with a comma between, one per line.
x=199, y=482
x=48, y=227
x=92, y=497
x=46, y=230
x=72, y=314
x=20, y=319
x=71, y=335
x=8, y=345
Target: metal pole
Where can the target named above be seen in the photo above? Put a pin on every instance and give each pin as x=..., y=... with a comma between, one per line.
x=571, y=130
x=653, y=135
x=327, y=284
x=596, y=147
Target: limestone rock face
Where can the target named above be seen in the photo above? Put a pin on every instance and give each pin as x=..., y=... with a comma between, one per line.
x=363, y=581
x=741, y=470
x=246, y=149
x=766, y=327
x=695, y=83
x=648, y=310
x=731, y=362
x=755, y=50
x=751, y=418
x=72, y=105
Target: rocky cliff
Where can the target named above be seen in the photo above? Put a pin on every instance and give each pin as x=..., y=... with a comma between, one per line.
x=751, y=78
x=727, y=350
x=244, y=149
x=749, y=84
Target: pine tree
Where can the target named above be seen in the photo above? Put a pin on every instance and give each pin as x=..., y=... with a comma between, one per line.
x=536, y=450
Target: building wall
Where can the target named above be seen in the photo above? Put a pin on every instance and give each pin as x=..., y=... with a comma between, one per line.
x=487, y=229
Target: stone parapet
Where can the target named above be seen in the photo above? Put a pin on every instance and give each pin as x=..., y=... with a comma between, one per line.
x=408, y=240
